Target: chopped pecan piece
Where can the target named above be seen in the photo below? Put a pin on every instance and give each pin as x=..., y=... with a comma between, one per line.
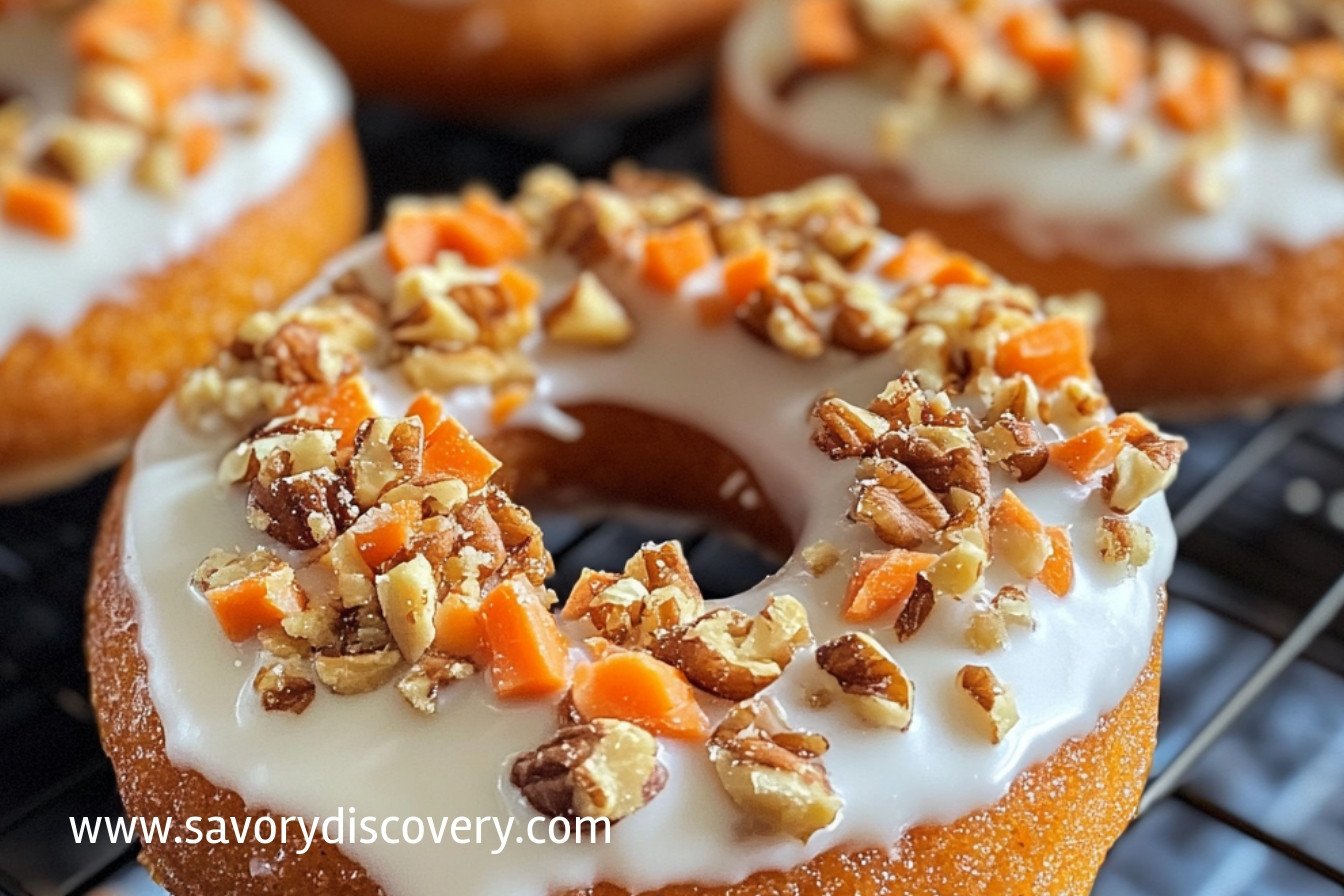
x=844, y=430
x=407, y=594
x=589, y=315
x=1016, y=446
x=1121, y=541
x=349, y=674
x=388, y=452
x=1141, y=471
x=916, y=609
x=779, y=314
x=873, y=685
x=992, y=698
x=421, y=684
x=284, y=686
x=602, y=769
x=302, y=510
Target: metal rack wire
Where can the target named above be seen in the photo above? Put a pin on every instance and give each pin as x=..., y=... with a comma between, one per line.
x=1248, y=791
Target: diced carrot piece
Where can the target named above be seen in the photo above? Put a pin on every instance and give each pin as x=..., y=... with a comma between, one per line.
x=961, y=269
x=508, y=401
x=200, y=145
x=883, y=582
x=635, y=687
x=919, y=260
x=452, y=451
x=529, y=657
x=1057, y=574
x=519, y=288
x=246, y=606
x=955, y=35
x=383, y=532
x=41, y=204
x=184, y=63
x=672, y=255
x=1089, y=452
x=1207, y=97
x=1049, y=352
x=343, y=406
x=1010, y=514
x=412, y=239
x=1040, y=37
x=459, y=631
x=1120, y=49
x=482, y=232
x=747, y=272
x=824, y=33
x=428, y=408
x=102, y=28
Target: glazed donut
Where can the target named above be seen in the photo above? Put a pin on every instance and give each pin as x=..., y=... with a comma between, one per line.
x=521, y=58
x=1177, y=157
x=166, y=168
x=302, y=608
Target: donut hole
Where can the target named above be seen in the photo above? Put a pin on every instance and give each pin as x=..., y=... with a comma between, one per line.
x=629, y=462
x=1153, y=16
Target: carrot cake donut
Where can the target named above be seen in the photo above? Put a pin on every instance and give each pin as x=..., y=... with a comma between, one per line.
x=1181, y=158
x=313, y=596
x=166, y=167
x=483, y=58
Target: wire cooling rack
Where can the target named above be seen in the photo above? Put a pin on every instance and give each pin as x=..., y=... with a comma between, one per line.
x=1247, y=797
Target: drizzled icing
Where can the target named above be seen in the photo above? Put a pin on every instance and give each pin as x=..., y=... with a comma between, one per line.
x=1054, y=192
x=126, y=231
x=373, y=753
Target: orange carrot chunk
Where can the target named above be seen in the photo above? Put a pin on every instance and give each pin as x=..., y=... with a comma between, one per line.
x=1057, y=574
x=450, y=450
x=1131, y=427
x=482, y=232
x=519, y=288
x=1039, y=36
x=529, y=657
x=961, y=269
x=919, y=260
x=1125, y=50
x=746, y=272
x=101, y=30
x=459, y=631
x=1089, y=452
x=637, y=688
x=883, y=582
x=384, y=531
x=41, y=204
x=200, y=145
x=672, y=255
x=824, y=33
x=343, y=406
x=1207, y=97
x=507, y=402
x=1049, y=352
x=955, y=35
x=246, y=606
x=428, y=408
x=412, y=239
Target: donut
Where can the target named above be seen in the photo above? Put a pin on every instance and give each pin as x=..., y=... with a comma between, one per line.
x=1179, y=158
x=166, y=168
x=522, y=60
x=303, y=608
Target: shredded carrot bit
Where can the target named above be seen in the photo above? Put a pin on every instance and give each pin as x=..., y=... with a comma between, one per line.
x=747, y=272
x=200, y=145
x=1207, y=97
x=1057, y=574
x=41, y=204
x=955, y=35
x=1049, y=352
x=343, y=406
x=672, y=255
x=508, y=401
x=1040, y=37
x=824, y=33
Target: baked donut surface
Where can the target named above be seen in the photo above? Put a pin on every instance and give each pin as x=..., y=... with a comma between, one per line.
x=179, y=222
x=1200, y=196
x=951, y=682
x=482, y=57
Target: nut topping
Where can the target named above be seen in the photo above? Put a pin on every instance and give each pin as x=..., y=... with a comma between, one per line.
x=407, y=594
x=1123, y=542
x=589, y=315
x=873, y=685
x=992, y=698
x=602, y=769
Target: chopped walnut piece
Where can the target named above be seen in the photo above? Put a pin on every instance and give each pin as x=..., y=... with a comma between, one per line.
x=602, y=769
x=657, y=565
x=1141, y=471
x=349, y=674
x=304, y=450
x=896, y=505
x=844, y=430
x=779, y=313
x=992, y=698
x=443, y=371
x=866, y=322
x=1012, y=603
x=284, y=686
x=872, y=683
x=388, y=452
x=987, y=630
x=407, y=594
x=942, y=457
x=771, y=772
x=916, y=609
x=781, y=629
x=297, y=354
x=1016, y=446
x=301, y=510
x=821, y=557
x=421, y=684
x=959, y=570
x=629, y=614
x=718, y=654
x=86, y=150
x=589, y=315
x=1121, y=541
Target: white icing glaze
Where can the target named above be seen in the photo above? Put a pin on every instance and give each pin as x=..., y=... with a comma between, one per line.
x=125, y=230
x=373, y=753
x=1058, y=193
